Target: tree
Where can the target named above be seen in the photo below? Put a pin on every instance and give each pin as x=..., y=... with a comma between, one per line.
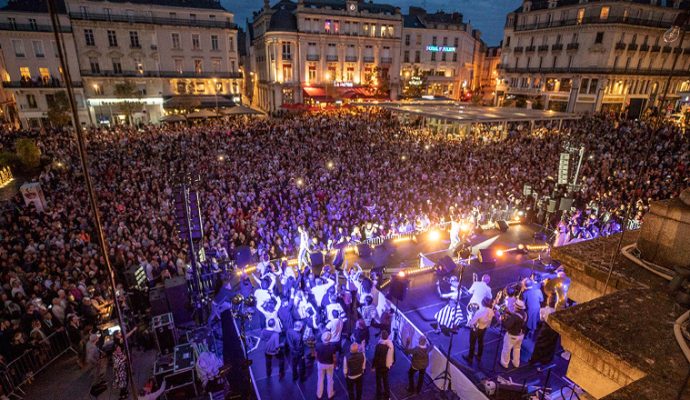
x=380, y=82
x=28, y=152
x=58, y=109
x=128, y=90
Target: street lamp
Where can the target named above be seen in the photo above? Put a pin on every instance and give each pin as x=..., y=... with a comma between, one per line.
x=676, y=31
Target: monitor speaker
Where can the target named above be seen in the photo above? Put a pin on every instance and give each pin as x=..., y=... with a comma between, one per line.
x=565, y=204
x=502, y=225
x=486, y=257
x=447, y=265
x=551, y=207
x=158, y=301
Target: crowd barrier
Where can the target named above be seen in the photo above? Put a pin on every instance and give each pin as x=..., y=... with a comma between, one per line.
x=23, y=369
x=404, y=329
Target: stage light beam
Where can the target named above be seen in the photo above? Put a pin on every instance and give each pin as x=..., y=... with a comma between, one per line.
x=500, y=253
x=401, y=274
x=434, y=235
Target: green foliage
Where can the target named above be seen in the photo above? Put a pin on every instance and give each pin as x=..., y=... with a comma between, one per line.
x=9, y=159
x=128, y=90
x=58, y=110
x=28, y=152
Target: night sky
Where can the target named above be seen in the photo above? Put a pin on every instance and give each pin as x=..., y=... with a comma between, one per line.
x=486, y=15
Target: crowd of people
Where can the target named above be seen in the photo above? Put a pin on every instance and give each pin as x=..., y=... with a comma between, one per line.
x=355, y=173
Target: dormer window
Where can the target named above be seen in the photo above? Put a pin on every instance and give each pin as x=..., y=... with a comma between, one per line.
x=526, y=6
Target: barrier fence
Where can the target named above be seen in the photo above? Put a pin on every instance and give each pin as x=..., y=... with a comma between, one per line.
x=23, y=369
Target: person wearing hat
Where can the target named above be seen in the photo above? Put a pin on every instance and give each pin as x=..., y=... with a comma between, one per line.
x=533, y=299
x=514, y=324
x=325, y=360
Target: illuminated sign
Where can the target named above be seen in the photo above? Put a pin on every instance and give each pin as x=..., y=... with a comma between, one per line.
x=440, y=49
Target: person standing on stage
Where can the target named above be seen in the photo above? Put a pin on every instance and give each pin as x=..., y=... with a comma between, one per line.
x=454, y=234
x=382, y=363
x=479, y=290
x=353, y=369
x=295, y=344
x=326, y=358
x=533, y=299
x=303, y=256
x=418, y=363
x=274, y=348
x=479, y=323
x=514, y=324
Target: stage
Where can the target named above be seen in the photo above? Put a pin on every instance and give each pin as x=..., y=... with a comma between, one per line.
x=420, y=305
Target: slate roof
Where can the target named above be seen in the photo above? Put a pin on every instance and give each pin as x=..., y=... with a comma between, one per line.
x=544, y=4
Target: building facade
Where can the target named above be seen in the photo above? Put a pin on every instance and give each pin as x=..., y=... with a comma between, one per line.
x=488, y=75
x=579, y=55
x=131, y=61
x=31, y=72
x=324, y=50
x=439, y=55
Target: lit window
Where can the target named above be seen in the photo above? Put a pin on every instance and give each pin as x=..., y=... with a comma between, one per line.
x=198, y=68
x=604, y=14
x=580, y=15
x=25, y=72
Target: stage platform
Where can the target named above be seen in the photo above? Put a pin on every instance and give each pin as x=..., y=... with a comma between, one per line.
x=419, y=307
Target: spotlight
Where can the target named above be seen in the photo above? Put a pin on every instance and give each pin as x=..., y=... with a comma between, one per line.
x=521, y=213
x=427, y=147
x=465, y=227
x=403, y=158
x=330, y=165
x=401, y=274
x=221, y=158
x=434, y=235
x=499, y=253
x=299, y=182
x=521, y=246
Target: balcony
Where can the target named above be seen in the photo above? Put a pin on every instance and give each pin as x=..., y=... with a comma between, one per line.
x=543, y=48
x=386, y=60
x=597, y=70
x=632, y=47
x=143, y=19
x=518, y=49
x=656, y=48
x=677, y=50
x=6, y=26
x=666, y=49
x=530, y=49
x=332, y=57
x=573, y=46
x=351, y=58
x=557, y=47
x=38, y=83
x=595, y=20
x=620, y=46
x=313, y=57
x=644, y=47
x=161, y=74
x=369, y=59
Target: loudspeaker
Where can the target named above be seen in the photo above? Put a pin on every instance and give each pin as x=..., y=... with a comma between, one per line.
x=502, y=225
x=243, y=256
x=158, y=301
x=364, y=249
x=486, y=257
x=447, y=265
x=551, y=207
x=565, y=204
x=178, y=299
x=399, y=286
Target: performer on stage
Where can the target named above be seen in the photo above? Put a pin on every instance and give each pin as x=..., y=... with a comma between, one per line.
x=479, y=290
x=450, y=316
x=479, y=323
x=303, y=257
x=454, y=234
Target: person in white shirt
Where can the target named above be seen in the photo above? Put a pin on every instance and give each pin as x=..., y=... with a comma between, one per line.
x=480, y=289
x=335, y=327
x=271, y=314
x=303, y=257
x=454, y=234
x=322, y=286
x=479, y=323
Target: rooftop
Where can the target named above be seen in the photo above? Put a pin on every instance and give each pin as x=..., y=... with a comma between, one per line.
x=32, y=6
x=544, y=4
x=207, y=4
x=472, y=114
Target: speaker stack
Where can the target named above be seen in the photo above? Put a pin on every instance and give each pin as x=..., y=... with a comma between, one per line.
x=446, y=266
x=177, y=293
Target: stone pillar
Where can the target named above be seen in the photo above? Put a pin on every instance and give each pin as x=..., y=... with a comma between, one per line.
x=574, y=91
x=600, y=94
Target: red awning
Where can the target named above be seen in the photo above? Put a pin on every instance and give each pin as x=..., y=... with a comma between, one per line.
x=314, y=92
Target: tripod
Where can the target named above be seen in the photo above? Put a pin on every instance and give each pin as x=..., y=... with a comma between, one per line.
x=446, y=390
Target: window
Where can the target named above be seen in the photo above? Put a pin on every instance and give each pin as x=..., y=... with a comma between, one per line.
x=139, y=65
x=600, y=38
x=287, y=51
x=112, y=39
x=192, y=17
x=13, y=22
x=178, y=65
x=38, y=48
x=433, y=56
x=350, y=74
x=327, y=26
x=117, y=66
x=433, y=40
x=593, y=86
x=287, y=72
x=31, y=101
x=407, y=40
x=95, y=67
x=32, y=24
x=417, y=56
x=25, y=73
x=196, y=41
x=455, y=56
x=198, y=67
x=232, y=65
x=443, y=56
x=445, y=40
x=134, y=39
x=419, y=39
x=406, y=56
x=215, y=64
x=18, y=47
x=311, y=72
x=580, y=15
x=604, y=13
x=214, y=42
x=231, y=44
x=456, y=41
x=176, y=40
x=88, y=37
x=97, y=89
